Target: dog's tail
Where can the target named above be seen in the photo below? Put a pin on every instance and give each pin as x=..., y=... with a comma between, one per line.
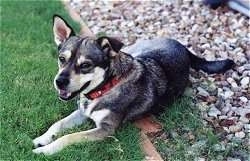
x=210, y=67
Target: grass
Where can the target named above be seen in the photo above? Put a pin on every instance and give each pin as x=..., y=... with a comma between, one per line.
x=29, y=104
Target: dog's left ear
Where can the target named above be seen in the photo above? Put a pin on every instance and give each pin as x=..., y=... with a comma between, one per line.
x=61, y=29
x=110, y=45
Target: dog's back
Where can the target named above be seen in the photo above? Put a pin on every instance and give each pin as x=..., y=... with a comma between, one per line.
x=175, y=50
x=166, y=63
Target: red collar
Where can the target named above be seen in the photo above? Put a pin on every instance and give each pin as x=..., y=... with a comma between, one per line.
x=104, y=88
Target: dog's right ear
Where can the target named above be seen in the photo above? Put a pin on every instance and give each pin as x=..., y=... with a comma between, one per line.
x=61, y=29
x=110, y=45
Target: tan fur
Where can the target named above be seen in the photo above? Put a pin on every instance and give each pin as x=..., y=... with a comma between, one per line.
x=81, y=60
x=78, y=80
x=66, y=54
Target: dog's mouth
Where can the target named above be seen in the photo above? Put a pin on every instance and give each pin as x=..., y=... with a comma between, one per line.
x=66, y=95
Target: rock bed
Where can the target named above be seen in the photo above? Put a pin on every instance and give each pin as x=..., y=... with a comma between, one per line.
x=213, y=34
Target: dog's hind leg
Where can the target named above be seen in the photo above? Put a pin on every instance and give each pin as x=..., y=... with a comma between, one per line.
x=74, y=119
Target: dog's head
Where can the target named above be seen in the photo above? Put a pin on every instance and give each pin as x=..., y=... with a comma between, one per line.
x=83, y=62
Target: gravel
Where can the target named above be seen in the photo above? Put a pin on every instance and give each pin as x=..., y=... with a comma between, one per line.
x=212, y=34
x=240, y=134
x=214, y=112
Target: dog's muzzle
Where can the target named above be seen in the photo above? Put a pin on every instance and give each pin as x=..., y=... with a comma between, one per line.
x=66, y=95
x=62, y=82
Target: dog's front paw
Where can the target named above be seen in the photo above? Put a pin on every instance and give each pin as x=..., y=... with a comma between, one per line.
x=49, y=149
x=46, y=150
x=42, y=140
x=39, y=150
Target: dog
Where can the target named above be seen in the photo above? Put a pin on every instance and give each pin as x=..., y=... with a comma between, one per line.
x=116, y=85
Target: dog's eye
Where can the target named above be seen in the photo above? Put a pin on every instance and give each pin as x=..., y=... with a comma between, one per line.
x=59, y=47
x=85, y=65
x=62, y=59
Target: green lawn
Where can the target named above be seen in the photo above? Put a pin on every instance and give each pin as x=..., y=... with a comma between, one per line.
x=29, y=103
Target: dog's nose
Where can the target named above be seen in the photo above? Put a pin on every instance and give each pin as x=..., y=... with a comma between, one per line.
x=62, y=82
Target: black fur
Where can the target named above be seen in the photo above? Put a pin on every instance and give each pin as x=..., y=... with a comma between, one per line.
x=210, y=67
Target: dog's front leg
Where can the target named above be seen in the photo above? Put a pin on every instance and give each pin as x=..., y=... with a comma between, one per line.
x=105, y=128
x=75, y=118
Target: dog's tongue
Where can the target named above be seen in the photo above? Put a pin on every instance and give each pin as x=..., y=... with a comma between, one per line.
x=64, y=93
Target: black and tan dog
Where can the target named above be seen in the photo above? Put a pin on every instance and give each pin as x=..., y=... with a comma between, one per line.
x=116, y=86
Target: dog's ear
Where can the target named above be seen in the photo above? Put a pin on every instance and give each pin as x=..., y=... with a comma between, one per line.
x=61, y=30
x=110, y=45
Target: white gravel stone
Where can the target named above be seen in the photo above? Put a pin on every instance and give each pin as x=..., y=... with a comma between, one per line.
x=242, y=111
x=222, y=117
x=247, y=128
x=246, y=66
x=236, y=128
x=243, y=99
x=233, y=159
x=246, y=73
x=225, y=109
x=229, y=136
x=244, y=82
x=241, y=69
x=234, y=86
x=202, y=92
x=226, y=129
x=228, y=94
x=230, y=80
x=235, y=76
x=214, y=112
x=244, y=119
x=240, y=134
x=230, y=113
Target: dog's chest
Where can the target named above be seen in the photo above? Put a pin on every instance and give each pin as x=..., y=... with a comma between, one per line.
x=84, y=105
x=87, y=108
